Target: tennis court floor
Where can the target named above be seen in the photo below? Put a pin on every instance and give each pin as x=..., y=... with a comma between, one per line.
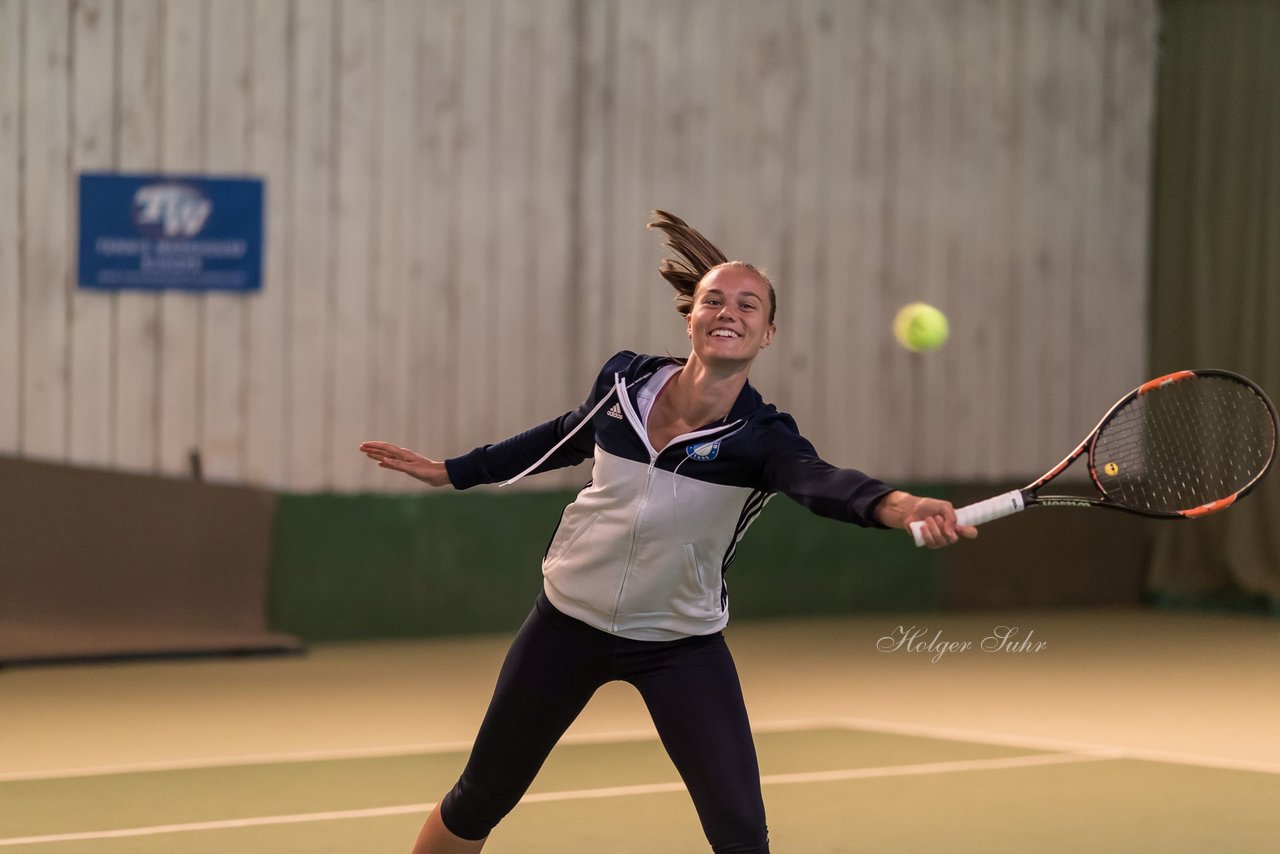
x=1047, y=775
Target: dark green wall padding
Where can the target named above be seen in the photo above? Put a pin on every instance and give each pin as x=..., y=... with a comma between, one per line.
x=376, y=566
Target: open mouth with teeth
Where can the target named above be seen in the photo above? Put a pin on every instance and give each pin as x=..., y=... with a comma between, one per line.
x=724, y=333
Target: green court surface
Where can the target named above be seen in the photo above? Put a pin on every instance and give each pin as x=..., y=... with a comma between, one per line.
x=828, y=788
x=1130, y=731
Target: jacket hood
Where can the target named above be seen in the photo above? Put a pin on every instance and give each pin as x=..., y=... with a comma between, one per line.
x=748, y=403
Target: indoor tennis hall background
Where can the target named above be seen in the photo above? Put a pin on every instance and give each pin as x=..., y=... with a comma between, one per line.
x=456, y=193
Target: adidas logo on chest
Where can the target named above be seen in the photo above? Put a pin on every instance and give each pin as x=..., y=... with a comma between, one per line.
x=615, y=411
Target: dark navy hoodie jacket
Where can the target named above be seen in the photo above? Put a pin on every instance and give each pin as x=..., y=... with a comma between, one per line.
x=643, y=549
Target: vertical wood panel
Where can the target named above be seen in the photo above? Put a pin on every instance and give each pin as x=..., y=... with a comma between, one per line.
x=90, y=393
x=475, y=398
x=11, y=219
x=1049, y=92
x=434, y=230
x=394, y=322
x=906, y=243
x=940, y=388
x=183, y=132
x=775, y=66
x=554, y=386
x=799, y=348
x=927, y=241
x=689, y=80
x=835, y=338
x=763, y=92
x=513, y=289
x=46, y=193
x=1026, y=403
x=136, y=432
x=630, y=308
x=266, y=359
x=999, y=280
x=356, y=194
x=223, y=354
x=1130, y=105
x=736, y=175
x=1052, y=90
x=593, y=262
x=857, y=268
x=984, y=138
x=1085, y=276
x=651, y=327
x=309, y=239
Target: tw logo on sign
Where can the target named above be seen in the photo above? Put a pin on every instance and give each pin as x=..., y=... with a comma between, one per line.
x=170, y=210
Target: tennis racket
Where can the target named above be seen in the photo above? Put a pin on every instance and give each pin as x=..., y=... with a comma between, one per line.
x=1181, y=446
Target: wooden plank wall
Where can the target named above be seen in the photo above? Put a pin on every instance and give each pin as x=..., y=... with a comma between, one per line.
x=456, y=197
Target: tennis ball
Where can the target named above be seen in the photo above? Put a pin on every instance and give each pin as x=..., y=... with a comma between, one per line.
x=920, y=327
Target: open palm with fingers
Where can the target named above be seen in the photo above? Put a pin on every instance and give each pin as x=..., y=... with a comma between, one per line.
x=389, y=456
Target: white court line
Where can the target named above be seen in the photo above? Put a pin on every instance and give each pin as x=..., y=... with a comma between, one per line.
x=618, y=736
x=228, y=824
x=198, y=763
x=1035, y=743
x=574, y=795
x=381, y=752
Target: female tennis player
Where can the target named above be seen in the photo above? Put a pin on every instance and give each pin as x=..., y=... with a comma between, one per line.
x=686, y=453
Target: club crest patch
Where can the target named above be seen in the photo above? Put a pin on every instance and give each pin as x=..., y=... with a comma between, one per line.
x=703, y=453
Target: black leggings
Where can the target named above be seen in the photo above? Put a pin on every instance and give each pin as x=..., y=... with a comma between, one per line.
x=691, y=689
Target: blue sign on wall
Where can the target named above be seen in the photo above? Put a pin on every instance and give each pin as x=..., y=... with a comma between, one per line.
x=161, y=232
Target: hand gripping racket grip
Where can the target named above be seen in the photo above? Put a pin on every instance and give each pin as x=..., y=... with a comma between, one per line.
x=976, y=514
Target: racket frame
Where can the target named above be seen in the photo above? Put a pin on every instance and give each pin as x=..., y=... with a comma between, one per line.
x=1029, y=495
x=1030, y=491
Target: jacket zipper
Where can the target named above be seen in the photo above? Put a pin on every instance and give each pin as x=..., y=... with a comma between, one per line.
x=631, y=553
x=636, y=424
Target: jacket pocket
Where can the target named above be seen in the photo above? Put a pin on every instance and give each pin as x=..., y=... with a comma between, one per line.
x=696, y=597
x=569, y=532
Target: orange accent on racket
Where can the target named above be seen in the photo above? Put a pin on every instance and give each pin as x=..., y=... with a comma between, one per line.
x=1211, y=507
x=1164, y=380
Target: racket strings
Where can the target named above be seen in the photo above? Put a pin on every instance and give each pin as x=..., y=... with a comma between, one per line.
x=1185, y=445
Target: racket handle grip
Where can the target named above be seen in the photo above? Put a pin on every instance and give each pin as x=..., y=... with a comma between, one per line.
x=979, y=513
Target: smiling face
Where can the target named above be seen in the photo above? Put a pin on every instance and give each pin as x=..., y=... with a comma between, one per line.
x=729, y=322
